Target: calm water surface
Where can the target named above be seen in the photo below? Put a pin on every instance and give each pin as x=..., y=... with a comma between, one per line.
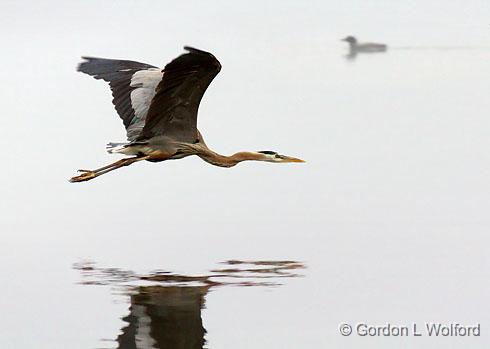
x=166, y=308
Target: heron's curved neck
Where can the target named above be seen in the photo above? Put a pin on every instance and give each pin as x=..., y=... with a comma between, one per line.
x=216, y=159
x=228, y=161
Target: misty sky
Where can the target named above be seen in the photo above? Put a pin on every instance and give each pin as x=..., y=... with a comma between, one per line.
x=390, y=211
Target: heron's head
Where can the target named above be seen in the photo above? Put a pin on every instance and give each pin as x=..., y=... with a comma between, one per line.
x=350, y=39
x=272, y=156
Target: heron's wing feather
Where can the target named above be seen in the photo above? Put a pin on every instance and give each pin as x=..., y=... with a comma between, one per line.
x=173, y=110
x=133, y=87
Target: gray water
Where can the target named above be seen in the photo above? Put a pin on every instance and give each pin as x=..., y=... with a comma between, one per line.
x=389, y=215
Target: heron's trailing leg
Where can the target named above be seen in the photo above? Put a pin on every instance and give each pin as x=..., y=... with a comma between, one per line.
x=91, y=174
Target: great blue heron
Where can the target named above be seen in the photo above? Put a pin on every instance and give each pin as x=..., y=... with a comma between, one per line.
x=159, y=110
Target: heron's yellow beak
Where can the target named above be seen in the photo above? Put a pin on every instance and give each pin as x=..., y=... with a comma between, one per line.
x=290, y=159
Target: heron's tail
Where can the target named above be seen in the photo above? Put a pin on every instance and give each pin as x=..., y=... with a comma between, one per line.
x=115, y=147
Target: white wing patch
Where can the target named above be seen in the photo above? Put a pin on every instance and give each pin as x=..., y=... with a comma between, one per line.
x=145, y=83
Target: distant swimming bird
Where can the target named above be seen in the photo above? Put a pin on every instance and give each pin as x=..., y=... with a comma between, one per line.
x=356, y=47
x=159, y=110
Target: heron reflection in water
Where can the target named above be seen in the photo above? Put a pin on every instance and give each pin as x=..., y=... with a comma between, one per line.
x=159, y=110
x=167, y=314
x=165, y=317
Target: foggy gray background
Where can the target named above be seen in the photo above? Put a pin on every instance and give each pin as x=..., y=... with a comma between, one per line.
x=390, y=212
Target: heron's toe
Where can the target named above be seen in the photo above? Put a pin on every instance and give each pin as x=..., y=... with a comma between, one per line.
x=87, y=175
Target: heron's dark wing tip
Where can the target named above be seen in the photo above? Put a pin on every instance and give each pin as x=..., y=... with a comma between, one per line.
x=213, y=59
x=195, y=50
x=86, y=60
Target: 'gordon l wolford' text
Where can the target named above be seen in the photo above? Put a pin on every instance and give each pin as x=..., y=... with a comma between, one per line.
x=431, y=329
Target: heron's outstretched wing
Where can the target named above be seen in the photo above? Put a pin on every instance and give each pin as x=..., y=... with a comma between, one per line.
x=173, y=110
x=133, y=87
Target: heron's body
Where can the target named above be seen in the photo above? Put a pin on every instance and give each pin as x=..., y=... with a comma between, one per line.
x=163, y=148
x=159, y=110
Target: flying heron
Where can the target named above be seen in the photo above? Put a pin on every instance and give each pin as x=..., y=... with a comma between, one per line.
x=159, y=110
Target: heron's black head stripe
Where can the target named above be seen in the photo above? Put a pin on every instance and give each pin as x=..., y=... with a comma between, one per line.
x=268, y=152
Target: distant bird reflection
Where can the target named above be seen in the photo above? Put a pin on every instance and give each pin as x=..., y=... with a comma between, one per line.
x=356, y=47
x=167, y=313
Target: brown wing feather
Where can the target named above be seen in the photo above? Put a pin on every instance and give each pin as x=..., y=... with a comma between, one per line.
x=173, y=110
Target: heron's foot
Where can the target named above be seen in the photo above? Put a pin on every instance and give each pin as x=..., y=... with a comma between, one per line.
x=85, y=176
